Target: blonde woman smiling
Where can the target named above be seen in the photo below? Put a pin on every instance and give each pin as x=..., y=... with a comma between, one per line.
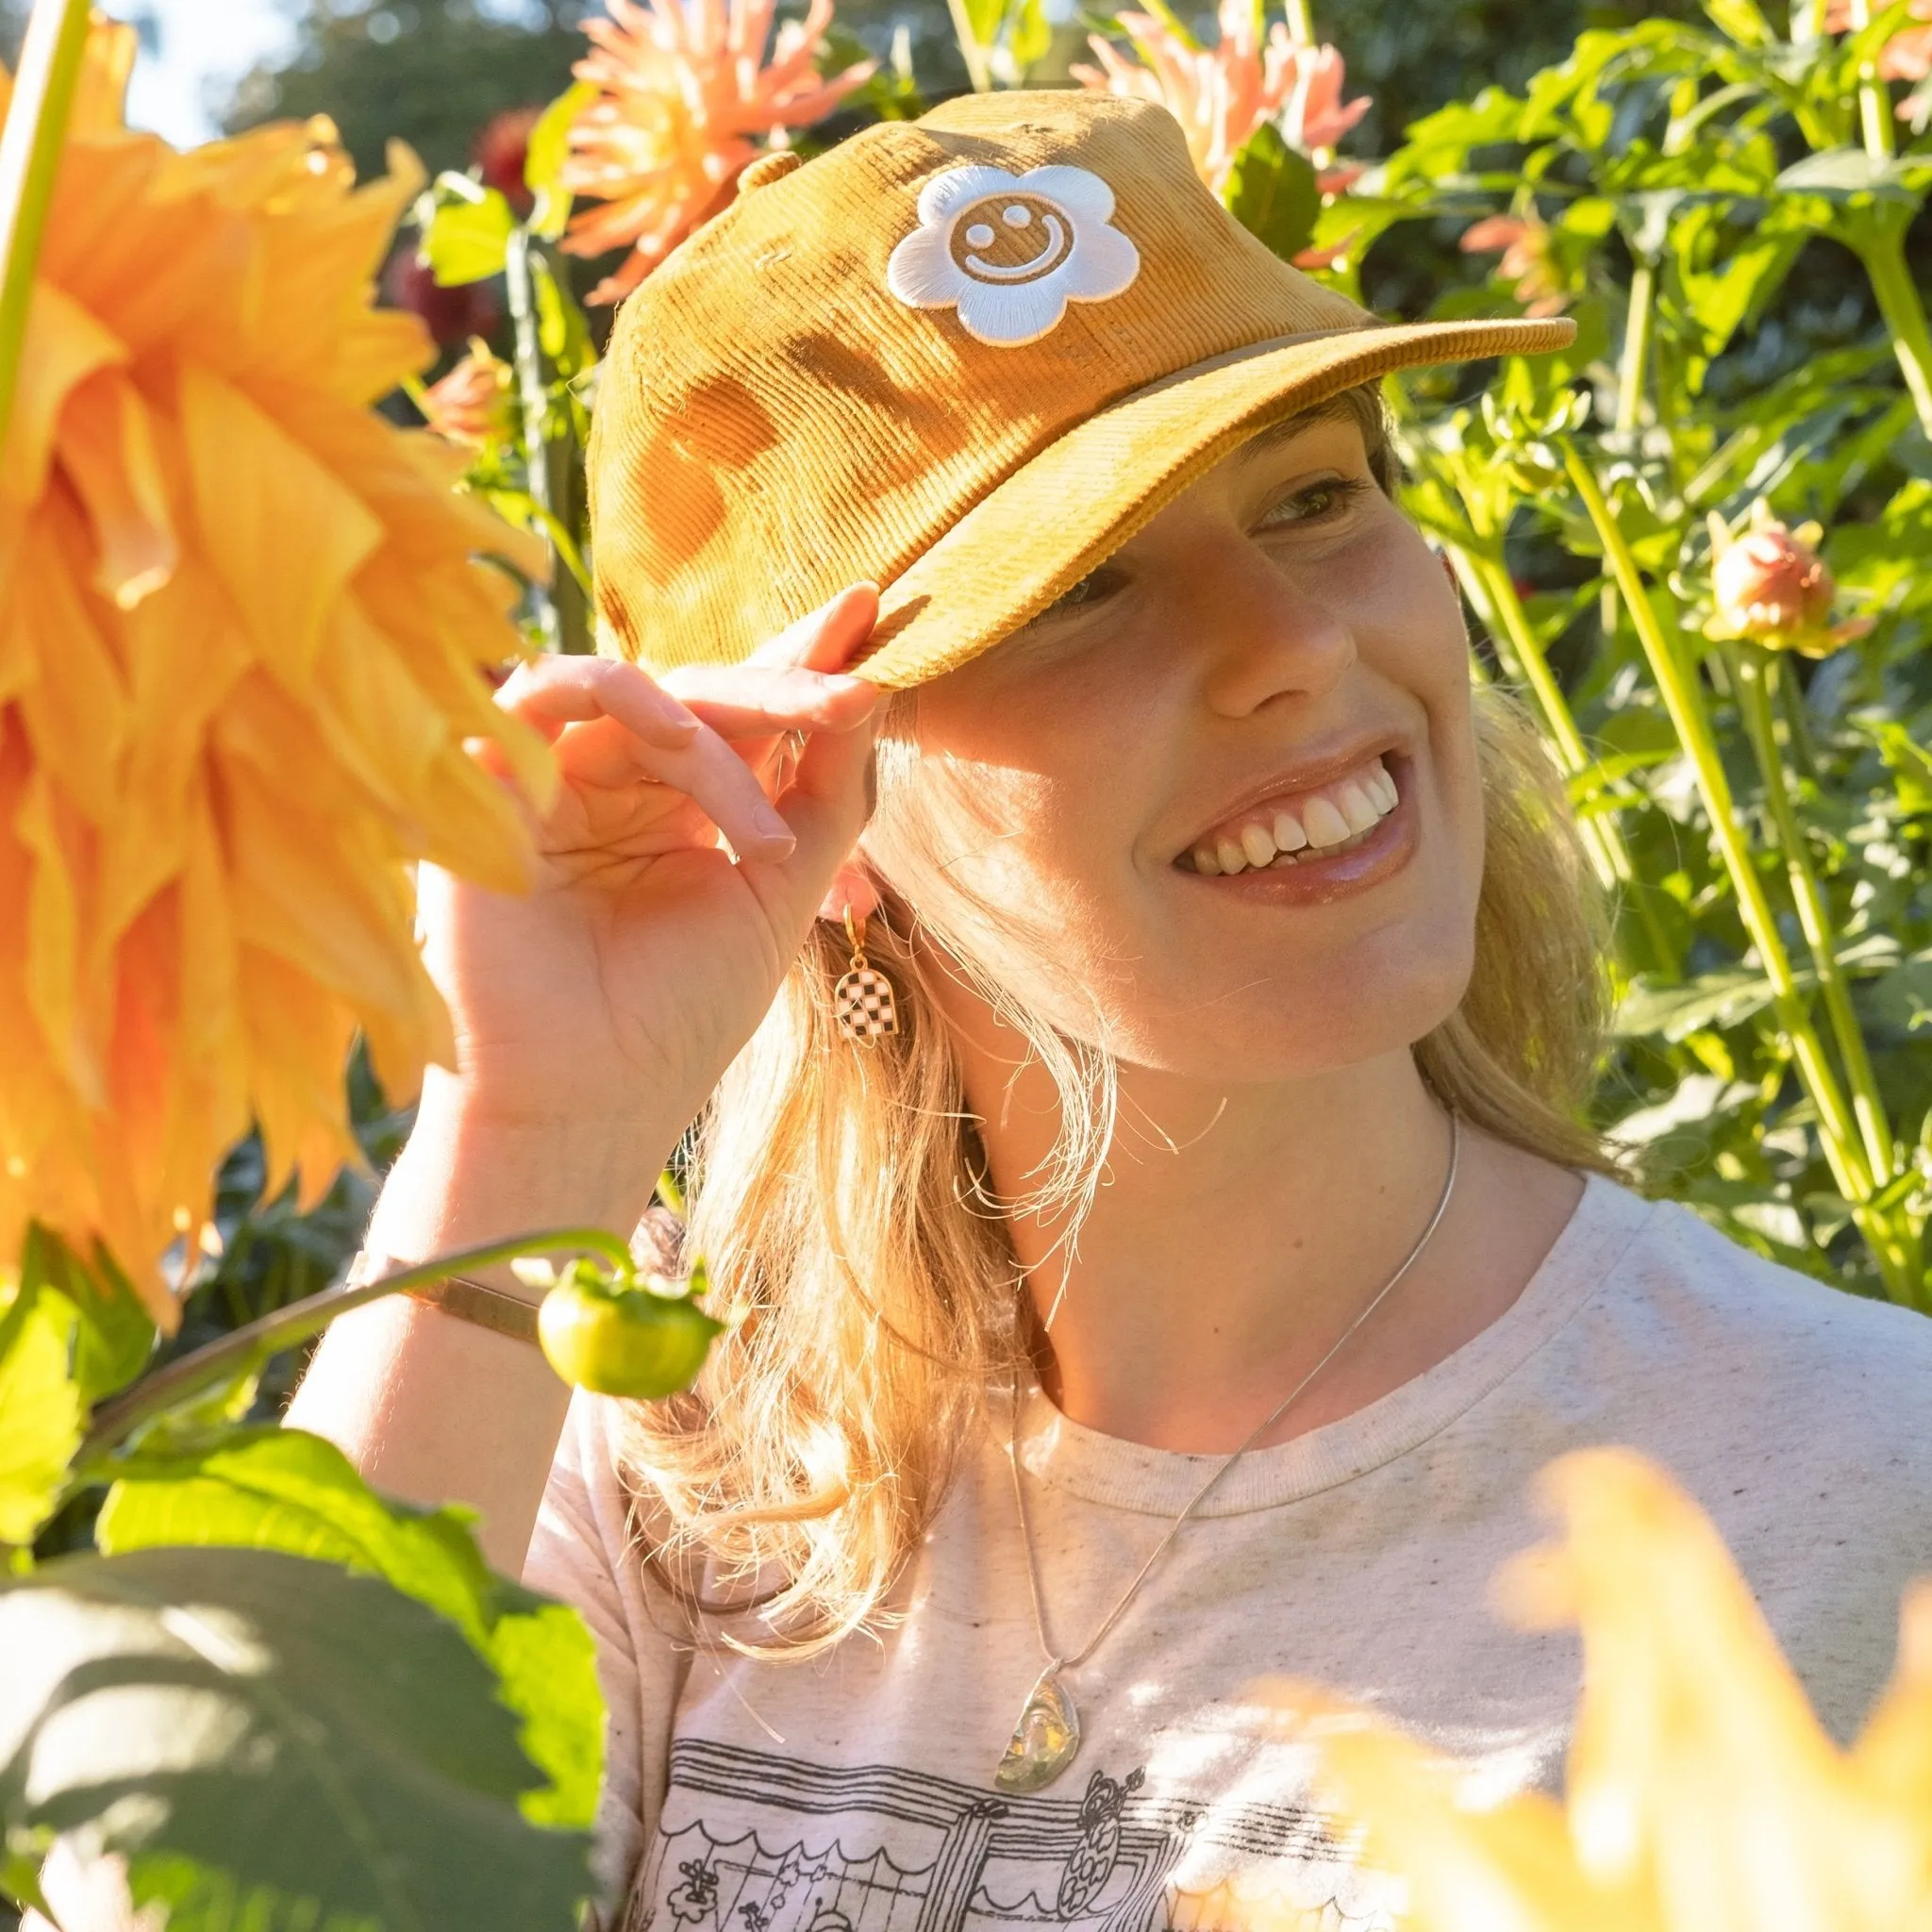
x=1136, y=998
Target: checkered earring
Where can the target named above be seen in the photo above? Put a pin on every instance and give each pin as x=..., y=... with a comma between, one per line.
x=864, y=1002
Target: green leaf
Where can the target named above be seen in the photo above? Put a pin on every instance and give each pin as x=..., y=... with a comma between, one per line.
x=41, y=1411
x=269, y=1487
x=1712, y=999
x=466, y=241
x=544, y=158
x=983, y=18
x=113, y=1335
x=1742, y=22
x=561, y=330
x=324, y=1744
x=1029, y=34
x=1271, y=191
x=1843, y=172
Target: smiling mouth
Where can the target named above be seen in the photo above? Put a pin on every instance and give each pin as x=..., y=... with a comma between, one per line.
x=1297, y=827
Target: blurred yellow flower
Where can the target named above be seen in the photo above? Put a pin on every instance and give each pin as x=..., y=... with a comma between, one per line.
x=242, y=643
x=683, y=89
x=1703, y=1794
x=1220, y=95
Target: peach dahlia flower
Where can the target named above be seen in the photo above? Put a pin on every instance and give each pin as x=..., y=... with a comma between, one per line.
x=684, y=94
x=1220, y=95
x=242, y=643
x=1525, y=244
x=1907, y=56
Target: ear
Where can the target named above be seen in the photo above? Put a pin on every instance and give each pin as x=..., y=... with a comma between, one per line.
x=851, y=890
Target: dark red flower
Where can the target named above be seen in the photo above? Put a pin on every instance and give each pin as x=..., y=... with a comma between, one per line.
x=499, y=153
x=451, y=315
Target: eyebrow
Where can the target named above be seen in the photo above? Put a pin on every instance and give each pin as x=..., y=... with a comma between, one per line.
x=1293, y=429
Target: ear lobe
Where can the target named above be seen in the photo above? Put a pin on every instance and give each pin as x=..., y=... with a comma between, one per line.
x=852, y=890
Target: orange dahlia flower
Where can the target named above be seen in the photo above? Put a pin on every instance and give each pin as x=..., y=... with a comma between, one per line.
x=241, y=644
x=1701, y=1791
x=1220, y=95
x=683, y=91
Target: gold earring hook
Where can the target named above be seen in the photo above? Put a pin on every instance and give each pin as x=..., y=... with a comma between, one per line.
x=856, y=939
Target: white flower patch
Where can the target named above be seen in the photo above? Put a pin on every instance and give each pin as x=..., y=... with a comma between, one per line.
x=1010, y=251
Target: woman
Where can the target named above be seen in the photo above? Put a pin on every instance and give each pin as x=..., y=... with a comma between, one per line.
x=1190, y=1287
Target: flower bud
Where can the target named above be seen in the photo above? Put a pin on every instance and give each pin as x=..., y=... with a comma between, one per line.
x=472, y=404
x=1769, y=585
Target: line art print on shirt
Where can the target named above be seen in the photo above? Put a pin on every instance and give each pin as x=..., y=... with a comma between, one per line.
x=751, y=1842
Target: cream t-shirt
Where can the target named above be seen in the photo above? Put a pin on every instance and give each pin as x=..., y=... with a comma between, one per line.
x=853, y=1792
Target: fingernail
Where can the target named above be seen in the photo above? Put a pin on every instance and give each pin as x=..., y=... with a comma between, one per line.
x=768, y=824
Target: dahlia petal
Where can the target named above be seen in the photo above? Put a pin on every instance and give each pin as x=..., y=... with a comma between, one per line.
x=255, y=488
x=107, y=453
x=64, y=346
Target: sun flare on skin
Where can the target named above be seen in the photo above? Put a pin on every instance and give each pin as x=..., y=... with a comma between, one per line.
x=242, y=644
x=1704, y=1796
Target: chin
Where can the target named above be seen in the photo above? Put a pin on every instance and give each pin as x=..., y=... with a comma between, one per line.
x=1359, y=1004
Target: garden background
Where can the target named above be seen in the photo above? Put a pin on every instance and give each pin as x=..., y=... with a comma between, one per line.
x=1695, y=542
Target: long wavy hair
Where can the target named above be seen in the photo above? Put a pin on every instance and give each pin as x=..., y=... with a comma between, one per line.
x=840, y=1204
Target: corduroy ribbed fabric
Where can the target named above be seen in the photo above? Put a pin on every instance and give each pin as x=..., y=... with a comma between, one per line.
x=774, y=423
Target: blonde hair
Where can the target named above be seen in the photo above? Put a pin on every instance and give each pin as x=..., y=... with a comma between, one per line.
x=842, y=1210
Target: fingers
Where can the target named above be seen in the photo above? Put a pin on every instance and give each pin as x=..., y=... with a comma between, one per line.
x=828, y=640
x=552, y=692
x=750, y=701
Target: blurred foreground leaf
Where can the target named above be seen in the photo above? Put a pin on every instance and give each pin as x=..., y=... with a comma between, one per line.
x=278, y=1739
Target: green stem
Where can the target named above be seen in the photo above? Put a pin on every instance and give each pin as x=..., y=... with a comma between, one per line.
x=246, y=1350
x=1882, y=249
x=977, y=71
x=548, y=458
x=1755, y=671
x=1682, y=699
x=50, y=62
x=1874, y=97
x=1637, y=333
x=1487, y=581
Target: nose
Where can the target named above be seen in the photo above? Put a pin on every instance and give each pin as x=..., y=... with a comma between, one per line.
x=1260, y=635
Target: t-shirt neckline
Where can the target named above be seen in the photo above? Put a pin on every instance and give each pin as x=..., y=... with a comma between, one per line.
x=1129, y=1475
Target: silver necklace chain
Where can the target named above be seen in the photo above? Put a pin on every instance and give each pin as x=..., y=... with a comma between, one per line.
x=1055, y=1662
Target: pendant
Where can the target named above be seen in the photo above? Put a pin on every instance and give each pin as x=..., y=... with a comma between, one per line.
x=1045, y=1738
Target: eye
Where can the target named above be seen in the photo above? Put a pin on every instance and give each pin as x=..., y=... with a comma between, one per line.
x=1094, y=588
x=1322, y=501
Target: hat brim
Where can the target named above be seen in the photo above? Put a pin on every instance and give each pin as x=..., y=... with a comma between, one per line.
x=1068, y=509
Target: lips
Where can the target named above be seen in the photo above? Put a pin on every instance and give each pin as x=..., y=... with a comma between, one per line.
x=1294, y=826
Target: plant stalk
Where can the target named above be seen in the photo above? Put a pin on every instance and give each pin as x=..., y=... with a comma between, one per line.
x=547, y=459
x=977, y=70
x=1486, y=581
x=1637, y=329
x=51, y=55
x=1838, y=1129
x=246, y=1350
x=1882, y=249
x=1875, y=98
x=1756, y=672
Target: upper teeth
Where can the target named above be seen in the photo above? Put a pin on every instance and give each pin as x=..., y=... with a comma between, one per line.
x=1316, y=822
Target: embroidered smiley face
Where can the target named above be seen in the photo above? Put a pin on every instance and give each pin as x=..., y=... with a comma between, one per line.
x=1010, y=251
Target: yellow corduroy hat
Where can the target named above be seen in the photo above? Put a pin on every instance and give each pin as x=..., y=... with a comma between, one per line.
x=966, y=358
